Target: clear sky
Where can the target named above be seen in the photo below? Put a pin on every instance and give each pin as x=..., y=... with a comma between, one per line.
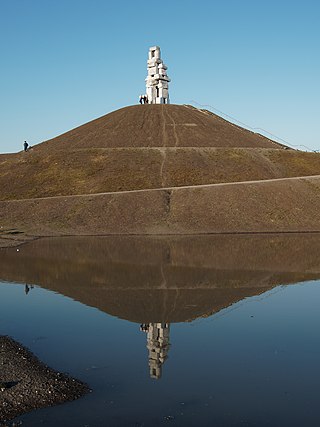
x=66, y=62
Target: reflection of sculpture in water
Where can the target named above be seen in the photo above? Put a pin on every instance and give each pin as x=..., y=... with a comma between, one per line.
x=158, y=346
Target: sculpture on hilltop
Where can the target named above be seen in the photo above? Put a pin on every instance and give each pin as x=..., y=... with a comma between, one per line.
x=157, y=80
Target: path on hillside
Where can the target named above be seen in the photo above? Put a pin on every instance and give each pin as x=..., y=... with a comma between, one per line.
x=165, y=139
x=221, y=184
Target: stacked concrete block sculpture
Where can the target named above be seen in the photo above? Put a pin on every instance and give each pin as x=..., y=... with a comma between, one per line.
x=157, y=81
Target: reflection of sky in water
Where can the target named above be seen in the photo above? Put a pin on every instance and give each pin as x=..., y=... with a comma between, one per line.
x=254, y=363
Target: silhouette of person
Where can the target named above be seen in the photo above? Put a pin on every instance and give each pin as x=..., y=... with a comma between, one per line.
x=25, y=146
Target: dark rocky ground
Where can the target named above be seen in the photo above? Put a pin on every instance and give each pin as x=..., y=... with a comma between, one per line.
x=27, y=384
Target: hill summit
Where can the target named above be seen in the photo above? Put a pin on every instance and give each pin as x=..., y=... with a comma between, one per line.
x=142, y=126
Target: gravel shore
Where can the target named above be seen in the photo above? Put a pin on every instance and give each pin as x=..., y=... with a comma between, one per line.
x=27, y=384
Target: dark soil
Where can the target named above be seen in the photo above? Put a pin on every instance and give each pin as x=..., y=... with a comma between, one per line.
x=27, y=384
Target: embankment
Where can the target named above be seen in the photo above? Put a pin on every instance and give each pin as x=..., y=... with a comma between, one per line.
x=280, y=205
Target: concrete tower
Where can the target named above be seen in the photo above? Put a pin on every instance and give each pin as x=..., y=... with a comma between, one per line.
x=157, y=80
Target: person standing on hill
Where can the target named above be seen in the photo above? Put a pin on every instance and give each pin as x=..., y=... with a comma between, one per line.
x=25, y=146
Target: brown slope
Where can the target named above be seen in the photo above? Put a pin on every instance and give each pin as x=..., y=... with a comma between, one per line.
x=162, y=146
x=158, y=153
x=284, y=205
x=89, y=171
x=158, y=126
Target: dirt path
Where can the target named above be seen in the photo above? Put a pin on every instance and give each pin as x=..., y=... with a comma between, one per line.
x=222, y=184
x=174, y=126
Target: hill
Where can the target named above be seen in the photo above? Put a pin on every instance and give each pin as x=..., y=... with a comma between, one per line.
x=159, y=169
x=284, y=205
x=146, y=147
x=158, y=126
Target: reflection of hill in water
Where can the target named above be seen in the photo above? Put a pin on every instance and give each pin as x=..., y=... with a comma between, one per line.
x=163, y=279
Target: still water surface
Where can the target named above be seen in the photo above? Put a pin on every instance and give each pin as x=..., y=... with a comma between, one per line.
x=190, y=331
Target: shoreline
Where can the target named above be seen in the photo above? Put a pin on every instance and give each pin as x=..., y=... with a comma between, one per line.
x=7, y=241
x=28, y=384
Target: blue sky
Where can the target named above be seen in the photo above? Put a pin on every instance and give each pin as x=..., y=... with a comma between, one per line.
x=66, y=62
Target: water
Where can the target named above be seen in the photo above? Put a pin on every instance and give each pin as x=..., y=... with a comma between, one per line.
x=233, y=319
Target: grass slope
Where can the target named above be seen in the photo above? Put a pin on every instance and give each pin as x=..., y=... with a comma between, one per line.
x=286, y=205
x=153, y=148
x=89, y=171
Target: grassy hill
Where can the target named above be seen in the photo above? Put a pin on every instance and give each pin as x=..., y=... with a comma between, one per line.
x=154, y=147
x=89, y=171
x=145, y=147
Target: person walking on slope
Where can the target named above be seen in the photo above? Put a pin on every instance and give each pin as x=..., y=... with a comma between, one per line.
x=25, y=146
